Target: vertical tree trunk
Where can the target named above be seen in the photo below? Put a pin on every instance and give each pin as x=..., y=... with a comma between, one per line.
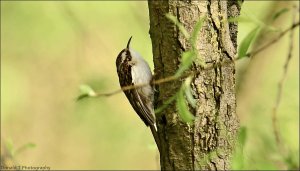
x=208, y=143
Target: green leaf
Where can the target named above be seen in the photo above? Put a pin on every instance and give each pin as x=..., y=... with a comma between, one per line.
x=279, y=13
x=242, y=135
x=24, y=147
x=291, y=160
x=245, y=44
x=9, y=146
x=186, y=89
x=188, y=92
x=238, y=156
x=82, y=96
x=237, y=162
x=178, y=24
x=187, y=59
x=256, y=21
x=86, y=91
x=183, y=108
x=196, y=30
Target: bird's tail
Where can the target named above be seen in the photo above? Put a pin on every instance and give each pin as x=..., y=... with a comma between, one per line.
x=153, y=129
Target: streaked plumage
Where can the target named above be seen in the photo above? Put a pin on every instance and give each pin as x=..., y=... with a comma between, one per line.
x=133, y=70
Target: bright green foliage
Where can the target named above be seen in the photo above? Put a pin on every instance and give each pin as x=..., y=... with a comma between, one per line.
x=279, y=13
x=9, y=146
x=188, y=92
x=194, y=38
x=24, y=147
x=196, y=31
x=179, y=25
x=190, y=55
x=291, y=161
x=187, y=59
x=242, y=136
x=237, y=162
x=245, y=44
x=257, y=22
x=86, y=91
x=183, y=108
x=181, y=105
x=13, y=152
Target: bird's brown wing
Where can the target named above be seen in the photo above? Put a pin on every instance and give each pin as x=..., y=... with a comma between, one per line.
x=136, y=99
x=139, y=104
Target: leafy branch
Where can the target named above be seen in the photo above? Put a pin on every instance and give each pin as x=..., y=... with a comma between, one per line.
x=187, y=59
x=251, y=54
x=89, y=92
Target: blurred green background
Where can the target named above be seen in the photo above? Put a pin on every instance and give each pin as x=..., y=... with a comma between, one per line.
x=48, y=49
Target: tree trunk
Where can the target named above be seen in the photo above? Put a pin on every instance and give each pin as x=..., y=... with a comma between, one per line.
x=208, y=143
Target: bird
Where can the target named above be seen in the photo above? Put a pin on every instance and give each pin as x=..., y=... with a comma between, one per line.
x=133, y=70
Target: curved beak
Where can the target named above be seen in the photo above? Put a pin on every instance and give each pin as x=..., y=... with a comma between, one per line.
x=128, y=42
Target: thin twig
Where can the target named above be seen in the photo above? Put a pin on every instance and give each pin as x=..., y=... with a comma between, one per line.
x=130, y=87
x=279, y=91
x=208, y=67
x=162, y=80
x=253, y=53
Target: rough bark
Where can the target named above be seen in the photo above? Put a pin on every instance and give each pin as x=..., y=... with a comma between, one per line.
x=208, y=143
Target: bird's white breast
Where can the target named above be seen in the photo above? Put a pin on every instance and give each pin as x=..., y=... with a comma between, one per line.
x=140, y=71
